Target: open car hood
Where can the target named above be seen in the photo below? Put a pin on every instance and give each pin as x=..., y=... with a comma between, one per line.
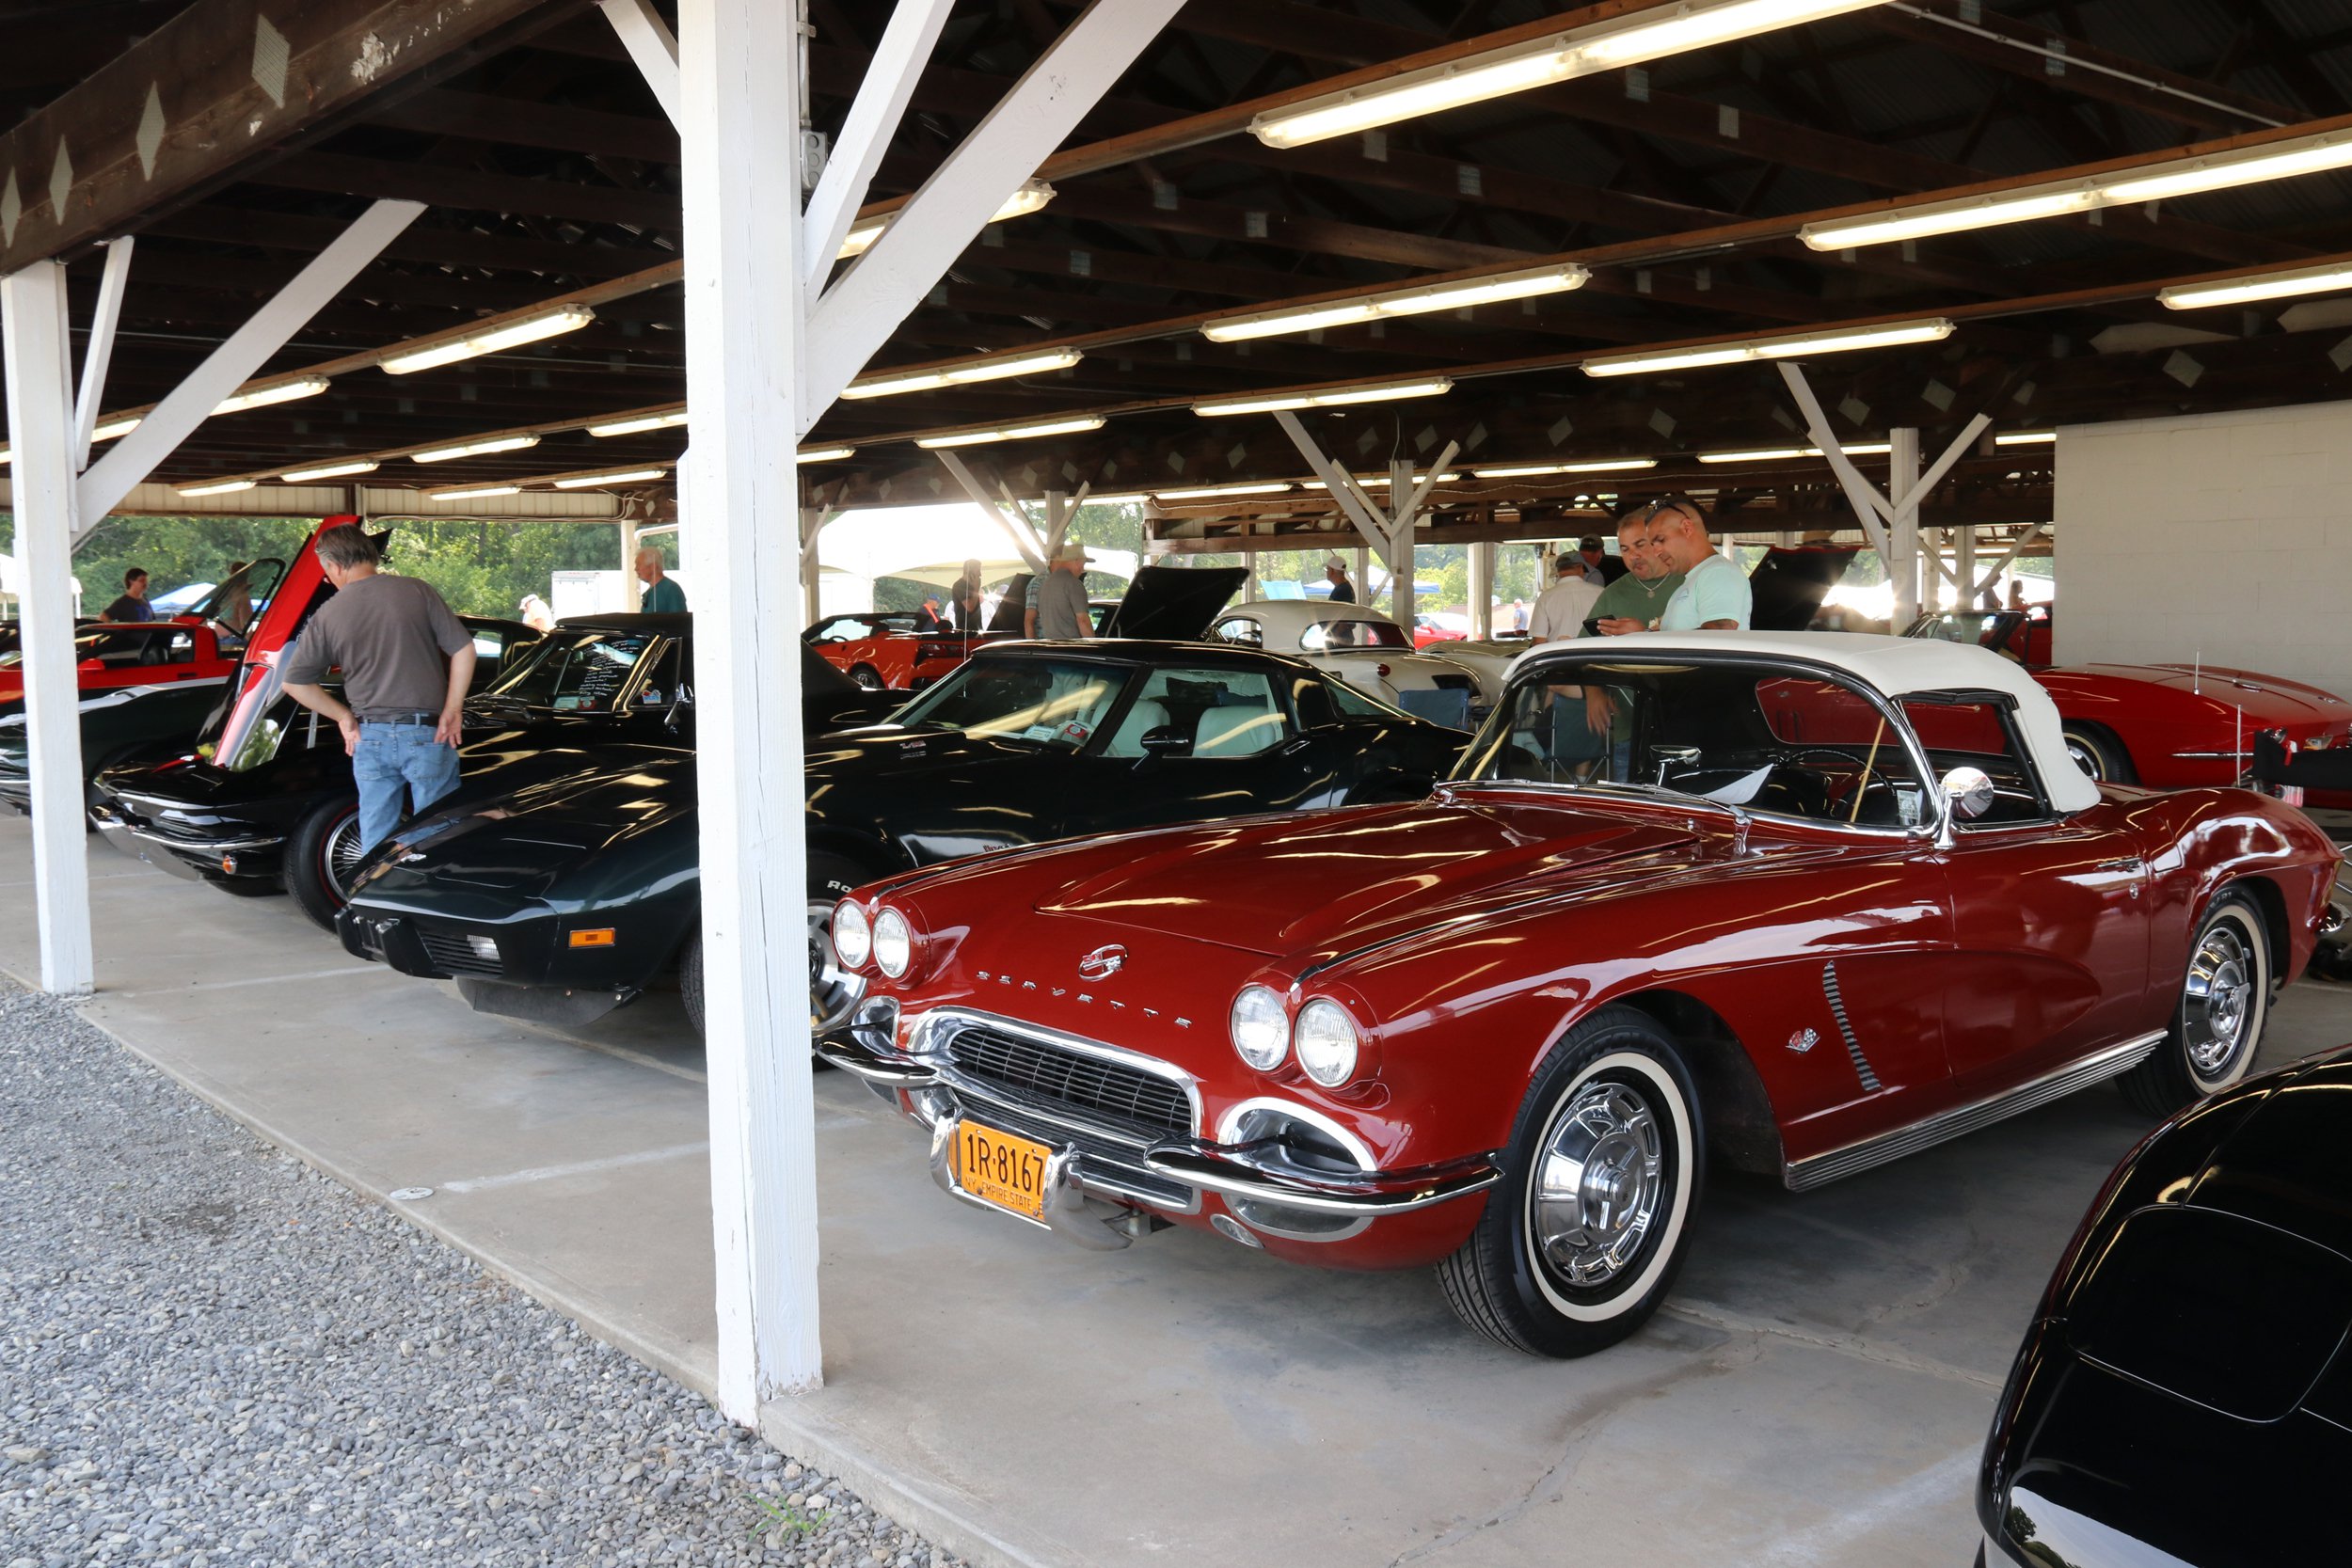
x=1789, y=584
x=1174, y=604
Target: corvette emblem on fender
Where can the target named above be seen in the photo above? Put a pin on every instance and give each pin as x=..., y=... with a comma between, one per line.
x=1803, y=1040
x=1103, y=962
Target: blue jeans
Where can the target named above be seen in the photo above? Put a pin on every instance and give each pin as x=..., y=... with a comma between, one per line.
x=393, y=759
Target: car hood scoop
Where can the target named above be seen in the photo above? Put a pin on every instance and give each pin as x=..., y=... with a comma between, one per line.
x=1324, y=881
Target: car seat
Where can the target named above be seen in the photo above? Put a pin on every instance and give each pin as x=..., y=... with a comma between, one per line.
x=1236, y=731
x=1145, y=717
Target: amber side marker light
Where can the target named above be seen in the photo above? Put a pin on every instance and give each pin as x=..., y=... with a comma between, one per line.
x=600, y=938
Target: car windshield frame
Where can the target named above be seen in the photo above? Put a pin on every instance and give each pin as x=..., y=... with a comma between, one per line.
x=1129, y=678
x=1563, y=668
x=2005, y=621
x=563, y=640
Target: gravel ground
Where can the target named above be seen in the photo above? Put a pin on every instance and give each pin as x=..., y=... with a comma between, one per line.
x=215, y=1357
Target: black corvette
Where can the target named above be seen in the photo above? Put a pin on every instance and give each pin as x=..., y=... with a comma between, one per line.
x=2184, y=1398
x=565, y=900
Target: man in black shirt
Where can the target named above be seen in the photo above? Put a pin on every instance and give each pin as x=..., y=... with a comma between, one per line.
x=133, y=606
x=1342, y=590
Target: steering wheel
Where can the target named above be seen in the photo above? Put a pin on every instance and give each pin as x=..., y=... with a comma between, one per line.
x=1850, y=789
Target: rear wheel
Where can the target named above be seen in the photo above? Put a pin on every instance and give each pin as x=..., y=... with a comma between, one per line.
x=321, y=855
x=868, y=676
x=1581, y=1239
x=2218, y=1022
x=2098, y=753
x=832, y=990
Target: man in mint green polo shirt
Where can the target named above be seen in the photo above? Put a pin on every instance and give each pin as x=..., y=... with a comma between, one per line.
x=1714, y=595
x=661, y=595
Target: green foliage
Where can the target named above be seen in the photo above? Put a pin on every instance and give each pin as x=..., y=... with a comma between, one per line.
x=786, y=1520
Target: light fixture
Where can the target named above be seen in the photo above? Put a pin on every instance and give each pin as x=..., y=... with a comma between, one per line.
x=892, y=384
x=823, y=455
x=2159, y=181
x=1268, y=402
x=283, y=392
x=332, y=471
x=1844, y=339
x=110, y=429
x=474, y=448
x=2026, y=439
x=1523, y=284
x=1201, y=492
x=530, y=329
x=624, y=476
x=6, y=457
x=478, y=492
x=640, y=423
x=1027, y=200
x=1598, y=466
x=1122, y=497
x=1785, y=455
x=2249, y=291
x=215, y=487
x=1554, y=57
x=1375, y=481
x=1011, y=433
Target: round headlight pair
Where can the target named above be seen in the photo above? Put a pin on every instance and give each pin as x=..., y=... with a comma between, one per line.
x=1326, y=1037
x=887, y=939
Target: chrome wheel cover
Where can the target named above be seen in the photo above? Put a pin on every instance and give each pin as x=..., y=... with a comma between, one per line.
x=340, y=857
x=1599, y=1186
x=832, y=990
x=2217, y=1002
x=2086, y=759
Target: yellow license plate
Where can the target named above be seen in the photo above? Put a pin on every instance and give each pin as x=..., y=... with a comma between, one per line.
x=998, y=1168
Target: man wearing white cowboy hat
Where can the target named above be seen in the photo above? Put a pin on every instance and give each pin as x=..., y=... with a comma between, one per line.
x=1342, y=590
x=1057, y=600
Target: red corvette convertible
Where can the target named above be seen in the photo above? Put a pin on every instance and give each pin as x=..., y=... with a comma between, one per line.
x=1686, y=894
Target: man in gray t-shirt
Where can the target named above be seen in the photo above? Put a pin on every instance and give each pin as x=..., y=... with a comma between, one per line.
x=1057, y=601
x=407, y=662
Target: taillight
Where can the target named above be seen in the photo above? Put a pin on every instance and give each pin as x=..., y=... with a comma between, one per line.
x=939, y=650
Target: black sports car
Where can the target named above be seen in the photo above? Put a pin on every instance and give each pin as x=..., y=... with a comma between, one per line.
x=272, y=803
x=2184, y=1398
x=565, y=900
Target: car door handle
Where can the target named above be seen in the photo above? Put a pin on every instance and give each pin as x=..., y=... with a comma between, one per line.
x=2122, y=863
x=1298, y=745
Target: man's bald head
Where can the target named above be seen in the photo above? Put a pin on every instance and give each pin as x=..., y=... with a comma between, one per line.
x=1677, y=533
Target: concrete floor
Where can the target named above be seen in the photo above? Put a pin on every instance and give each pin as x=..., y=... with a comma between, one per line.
x=1816, y=1394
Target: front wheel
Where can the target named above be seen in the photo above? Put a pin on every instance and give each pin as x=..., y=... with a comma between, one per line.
x=868, y=677
x=321, y=856
x=2218, y=1022
x=2098, y=753
x=1581, y=1239
x=832, y=990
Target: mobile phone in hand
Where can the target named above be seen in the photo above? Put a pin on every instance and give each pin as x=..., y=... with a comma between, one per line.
x=1592, y=625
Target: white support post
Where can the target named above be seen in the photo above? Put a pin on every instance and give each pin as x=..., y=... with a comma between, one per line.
x=1482, y=591
x=881, y=101
x=1903, y=479
x=1058, y=513
x=36, y=351
x=632, y=591
x=1363, y=574
x=99, y=352
x=1368, y=517
x=647, y=39
x=174, y=419
x=867, y=303
x=1016, y=527
x=740, y=138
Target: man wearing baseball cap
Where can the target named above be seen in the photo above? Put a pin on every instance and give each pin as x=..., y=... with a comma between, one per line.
x=1342, y=590
x=1057, y=600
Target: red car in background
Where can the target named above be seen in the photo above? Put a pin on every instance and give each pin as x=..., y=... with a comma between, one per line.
x=2164, y=726
x=882, y=652
x=203, y=645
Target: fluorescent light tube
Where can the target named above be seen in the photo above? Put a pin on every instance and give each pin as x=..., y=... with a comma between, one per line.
x=1558, y=58
x=892, y=384
x=1020, y=203
x=332, y=471
x=626, y=476
x=547, y=324
x=283, y=392
x=642, y=423
x=215, y=487
x=823, y=455
x=478, y=492
x=474, y=448
x=1372, y=482
x=1834, y=340
x=2218, y=171
x=1783, y=454
x=2026, y=439
x=1598, y=465
x=1946, y=217
x=1526, y=283
x=1199, y=492
x=1011, y=433
x=2249, y=291
x=1267, y=402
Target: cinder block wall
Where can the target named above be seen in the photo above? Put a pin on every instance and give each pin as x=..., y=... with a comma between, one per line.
x=2224, y=536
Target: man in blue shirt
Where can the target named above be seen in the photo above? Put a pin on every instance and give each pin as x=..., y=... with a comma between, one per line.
x=1714, y=595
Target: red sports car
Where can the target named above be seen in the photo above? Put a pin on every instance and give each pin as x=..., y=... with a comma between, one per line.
x=203, y=646
x=2168, y=726
x=1686, y=896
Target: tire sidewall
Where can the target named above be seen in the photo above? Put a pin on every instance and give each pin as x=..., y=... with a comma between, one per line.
x=306, y=874
x=2112, y=767
x=2235, y=911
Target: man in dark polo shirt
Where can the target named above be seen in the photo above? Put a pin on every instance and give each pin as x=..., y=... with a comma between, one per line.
x=407, y=662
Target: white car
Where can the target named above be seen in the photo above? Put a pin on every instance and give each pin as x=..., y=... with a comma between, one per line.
x=1365, y=649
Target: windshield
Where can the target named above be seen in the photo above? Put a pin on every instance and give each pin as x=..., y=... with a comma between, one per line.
x=1353, y=634
x=574, y=672
x=1753, y=736
x=1984, y=628
x=1054, y=702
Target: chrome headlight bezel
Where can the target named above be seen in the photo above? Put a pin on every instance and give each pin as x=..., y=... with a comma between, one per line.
x=1268, y=1025
x=894, y=943
x=1327, y=1043
x=853, y=934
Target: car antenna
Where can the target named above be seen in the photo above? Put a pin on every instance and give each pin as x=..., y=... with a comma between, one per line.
x=2197, y=674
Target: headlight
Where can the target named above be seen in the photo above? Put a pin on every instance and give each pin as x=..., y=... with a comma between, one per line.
x=894, y=943
x=1326, y=1042
x=852, y=938
x=1260, y=1027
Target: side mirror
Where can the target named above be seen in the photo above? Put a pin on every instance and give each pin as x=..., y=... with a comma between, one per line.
x=1167, y=740
x=1969, y=792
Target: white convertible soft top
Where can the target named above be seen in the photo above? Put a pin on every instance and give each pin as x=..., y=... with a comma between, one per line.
x=1897, y=666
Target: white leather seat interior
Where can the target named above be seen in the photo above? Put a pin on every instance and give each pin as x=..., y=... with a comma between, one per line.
x=1234, y=732
x=1145, y=717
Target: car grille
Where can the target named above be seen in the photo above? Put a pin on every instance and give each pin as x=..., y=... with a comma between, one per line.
x=453, y=954
x=1137, y=1102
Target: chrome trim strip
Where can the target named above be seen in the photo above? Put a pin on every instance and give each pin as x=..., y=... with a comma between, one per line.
x=951, y=1017
x=887, y=1067
x=1820, y=1169
x=1232, y=1174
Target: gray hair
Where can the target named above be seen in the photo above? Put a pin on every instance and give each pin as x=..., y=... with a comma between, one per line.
x=346, y=546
